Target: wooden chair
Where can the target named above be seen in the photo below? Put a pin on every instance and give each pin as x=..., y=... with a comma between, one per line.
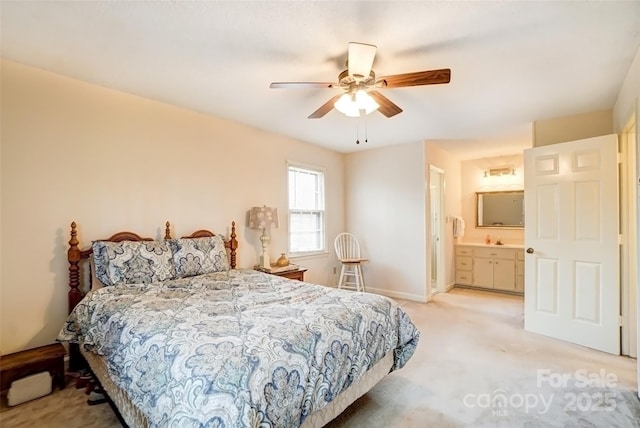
x=348, y=252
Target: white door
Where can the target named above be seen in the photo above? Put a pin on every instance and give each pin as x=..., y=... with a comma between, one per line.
x=571, y=238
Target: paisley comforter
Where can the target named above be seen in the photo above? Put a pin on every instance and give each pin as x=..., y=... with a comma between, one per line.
x=238, y=348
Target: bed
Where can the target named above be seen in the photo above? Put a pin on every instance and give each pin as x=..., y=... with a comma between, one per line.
x=178, y=336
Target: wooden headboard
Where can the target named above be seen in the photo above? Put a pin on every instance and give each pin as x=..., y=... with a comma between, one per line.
x=75, y=255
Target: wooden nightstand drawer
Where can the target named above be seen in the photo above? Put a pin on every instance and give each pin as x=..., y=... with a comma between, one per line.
x=297, y=274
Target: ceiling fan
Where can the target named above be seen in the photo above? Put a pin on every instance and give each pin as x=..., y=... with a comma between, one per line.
x=359, y=82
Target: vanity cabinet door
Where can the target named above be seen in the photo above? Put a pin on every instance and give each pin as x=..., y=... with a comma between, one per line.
x=504, y=274
x=483, y=272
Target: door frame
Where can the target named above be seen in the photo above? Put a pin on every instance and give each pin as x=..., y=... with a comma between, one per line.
x=629, y=239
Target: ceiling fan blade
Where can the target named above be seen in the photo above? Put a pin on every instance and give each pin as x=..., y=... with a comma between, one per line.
x=360, y=59
x=303, y=85
x=431, y=77
x=387, y=107
x=324, y=108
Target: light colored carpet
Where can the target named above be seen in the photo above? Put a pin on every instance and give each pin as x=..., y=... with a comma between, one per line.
x=475, y=366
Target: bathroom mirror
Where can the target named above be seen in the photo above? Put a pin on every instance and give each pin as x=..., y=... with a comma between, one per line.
x=500, y=209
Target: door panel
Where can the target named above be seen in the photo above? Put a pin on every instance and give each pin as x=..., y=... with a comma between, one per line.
x=572, y=274
x=587, y=293
x=547, y=203
x=546, y=299
x=588, y=206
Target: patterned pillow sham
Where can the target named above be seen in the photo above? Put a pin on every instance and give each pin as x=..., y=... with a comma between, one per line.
x=95, y=281
x=197, y=256
x=133, y=262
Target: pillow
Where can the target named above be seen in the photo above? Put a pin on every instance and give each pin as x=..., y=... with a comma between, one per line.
x=197, y=256
x=101, y=262
x=95, y=282
x=133, y=262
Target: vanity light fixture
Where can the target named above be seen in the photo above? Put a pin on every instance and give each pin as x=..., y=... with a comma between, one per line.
x=497, y=172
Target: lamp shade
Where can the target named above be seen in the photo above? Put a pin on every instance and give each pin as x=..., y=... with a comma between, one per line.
x=346, y=104
x=353, y=105
x=263, y=218
x=366, y=102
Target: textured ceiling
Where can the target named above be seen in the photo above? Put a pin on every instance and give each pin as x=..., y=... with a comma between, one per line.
x=512, y=62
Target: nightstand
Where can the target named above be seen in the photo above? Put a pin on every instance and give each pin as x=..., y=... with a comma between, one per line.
x=44, y=358
x=292, y=274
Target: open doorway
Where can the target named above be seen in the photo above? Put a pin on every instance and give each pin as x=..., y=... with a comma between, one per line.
x=436, y=194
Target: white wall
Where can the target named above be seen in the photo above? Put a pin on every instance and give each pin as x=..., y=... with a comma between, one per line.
x=442, y=159
x=473, y=180
x=628, y=104
x=110, y=161
x=386, y=197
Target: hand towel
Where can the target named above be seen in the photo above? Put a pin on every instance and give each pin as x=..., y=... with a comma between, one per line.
x=458, y=227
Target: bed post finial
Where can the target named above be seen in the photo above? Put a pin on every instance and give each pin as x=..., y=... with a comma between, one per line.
x=233, y=244
x=167, y=231
x=73, y=256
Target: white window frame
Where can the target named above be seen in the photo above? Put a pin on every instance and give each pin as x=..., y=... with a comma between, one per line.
x=320, y=209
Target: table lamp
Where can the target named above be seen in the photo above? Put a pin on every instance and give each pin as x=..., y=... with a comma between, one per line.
x=264, y=218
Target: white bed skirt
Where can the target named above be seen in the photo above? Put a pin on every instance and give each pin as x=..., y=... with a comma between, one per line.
x=134, y=418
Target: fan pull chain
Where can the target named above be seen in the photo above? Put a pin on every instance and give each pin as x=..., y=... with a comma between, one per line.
x=366, y=131
x=366, y=140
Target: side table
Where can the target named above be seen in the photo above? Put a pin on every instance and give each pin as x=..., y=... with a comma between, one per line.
x=21, y=364
x=292, y=274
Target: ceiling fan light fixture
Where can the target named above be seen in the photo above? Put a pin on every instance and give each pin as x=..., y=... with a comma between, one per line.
x=366, y=102
x=359, y=76
x=345, y=104
x=353, y=105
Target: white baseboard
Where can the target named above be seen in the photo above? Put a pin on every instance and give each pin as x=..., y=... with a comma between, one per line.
x=398, y=295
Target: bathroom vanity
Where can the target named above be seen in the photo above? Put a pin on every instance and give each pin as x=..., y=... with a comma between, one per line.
x=491, y=267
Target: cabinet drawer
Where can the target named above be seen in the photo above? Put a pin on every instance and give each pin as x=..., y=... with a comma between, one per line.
x=464, y=277
x=519, y=268
x=464, y=251
x=464, y=263
x=520, y=255
x=502, y=253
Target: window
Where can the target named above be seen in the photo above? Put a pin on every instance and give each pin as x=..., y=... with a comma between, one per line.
x=306, y=210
